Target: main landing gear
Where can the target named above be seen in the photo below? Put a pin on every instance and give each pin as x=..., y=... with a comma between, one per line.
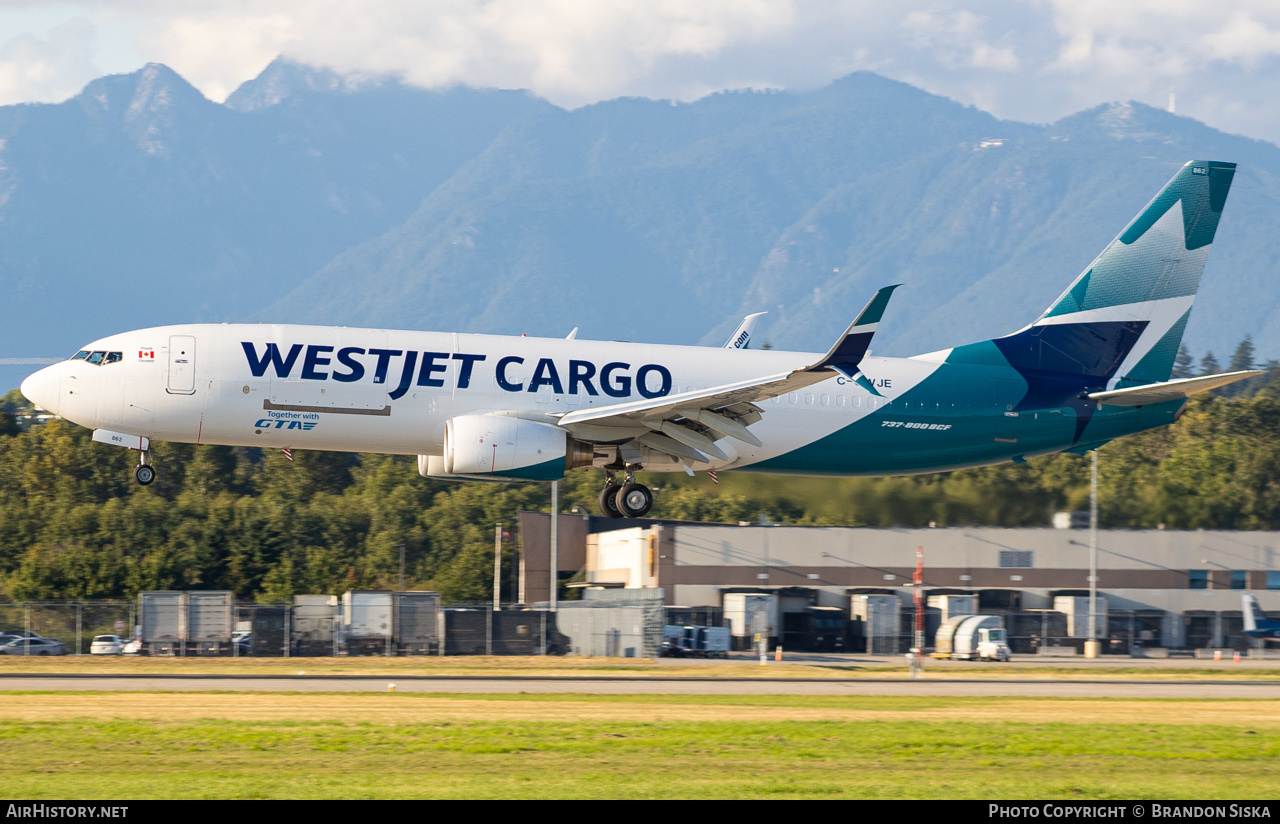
x=627, y=500
x=145, y=473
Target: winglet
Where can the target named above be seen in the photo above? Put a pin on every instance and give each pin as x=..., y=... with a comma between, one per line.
x=845, y=356
x=742, y=335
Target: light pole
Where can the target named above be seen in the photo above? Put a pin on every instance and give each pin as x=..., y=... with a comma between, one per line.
x=555, y=543
x=497, y=566
x=1091, y=645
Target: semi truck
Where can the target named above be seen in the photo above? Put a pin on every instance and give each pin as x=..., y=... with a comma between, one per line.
x=972, y=638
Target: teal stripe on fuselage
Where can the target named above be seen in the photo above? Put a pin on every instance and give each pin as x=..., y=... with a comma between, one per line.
x=927, y=430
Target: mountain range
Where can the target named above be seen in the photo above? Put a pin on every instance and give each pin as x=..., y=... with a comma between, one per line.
x=309, y=197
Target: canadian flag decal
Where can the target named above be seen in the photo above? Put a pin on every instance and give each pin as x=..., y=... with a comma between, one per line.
x=146, y=354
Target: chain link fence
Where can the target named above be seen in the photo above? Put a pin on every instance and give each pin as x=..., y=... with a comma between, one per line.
x=1135, y=633
x=620, y=623
x=327, y=626
x=75, y=625
x=613, y=629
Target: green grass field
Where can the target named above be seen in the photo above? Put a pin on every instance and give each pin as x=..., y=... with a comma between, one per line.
x=336, y=745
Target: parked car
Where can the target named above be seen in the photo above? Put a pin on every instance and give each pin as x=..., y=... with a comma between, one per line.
x=106, y=645
x=34, y=646
x=21, y=633
x=132, y=647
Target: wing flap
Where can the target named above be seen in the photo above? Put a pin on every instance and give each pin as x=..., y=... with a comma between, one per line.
x=717, y=397
x=843, y=357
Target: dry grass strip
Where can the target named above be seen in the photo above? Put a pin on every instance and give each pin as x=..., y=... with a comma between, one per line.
x=402, y=708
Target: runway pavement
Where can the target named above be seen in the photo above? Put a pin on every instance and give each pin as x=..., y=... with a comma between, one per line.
x=1005, y=687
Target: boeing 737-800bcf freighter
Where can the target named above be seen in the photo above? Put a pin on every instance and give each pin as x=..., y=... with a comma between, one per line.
x=1095, y=366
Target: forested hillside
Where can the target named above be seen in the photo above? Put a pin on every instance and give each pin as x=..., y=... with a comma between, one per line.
x=73, y=524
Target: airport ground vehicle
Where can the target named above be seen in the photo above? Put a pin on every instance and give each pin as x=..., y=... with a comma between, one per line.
x=972, y=638
x=695, y=642
x=107, y=645
x=34, y=646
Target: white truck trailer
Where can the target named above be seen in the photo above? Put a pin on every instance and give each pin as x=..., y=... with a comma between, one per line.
x=367, y=622
x=972, y=638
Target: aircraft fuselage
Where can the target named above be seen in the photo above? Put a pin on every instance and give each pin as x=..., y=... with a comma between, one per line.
x=370, y=390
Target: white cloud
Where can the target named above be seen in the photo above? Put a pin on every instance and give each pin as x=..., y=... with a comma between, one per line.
x=567, y=50
x=1025, y=59
x=958, y=40
x=51, y=68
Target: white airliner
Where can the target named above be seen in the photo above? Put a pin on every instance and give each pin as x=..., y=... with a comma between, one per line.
x=1093, y=367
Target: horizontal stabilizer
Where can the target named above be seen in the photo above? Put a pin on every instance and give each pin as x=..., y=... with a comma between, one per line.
x=1170, y=390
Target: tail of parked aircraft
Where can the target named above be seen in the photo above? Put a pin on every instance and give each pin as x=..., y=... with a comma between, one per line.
x=1255, y=622
x=1120, y=323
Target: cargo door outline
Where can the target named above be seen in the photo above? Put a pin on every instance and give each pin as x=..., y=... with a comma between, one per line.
x=182, y=365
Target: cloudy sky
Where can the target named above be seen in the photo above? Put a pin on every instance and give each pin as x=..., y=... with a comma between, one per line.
x=1033, y=60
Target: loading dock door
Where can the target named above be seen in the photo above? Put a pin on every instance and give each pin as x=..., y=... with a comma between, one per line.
x=182, y=364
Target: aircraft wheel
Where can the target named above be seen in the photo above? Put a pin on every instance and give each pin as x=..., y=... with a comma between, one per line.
x=634, y=500
x=608, y=501
x=144, y=474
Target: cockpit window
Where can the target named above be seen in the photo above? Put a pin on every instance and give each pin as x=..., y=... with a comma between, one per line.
x=100, y=358
x=81, y=355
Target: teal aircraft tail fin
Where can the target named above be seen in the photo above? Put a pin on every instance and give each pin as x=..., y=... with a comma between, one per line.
x=1120, y=323
x=1128, y=310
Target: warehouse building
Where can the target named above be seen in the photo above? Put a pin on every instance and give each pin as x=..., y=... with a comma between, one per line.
x=1157, y=588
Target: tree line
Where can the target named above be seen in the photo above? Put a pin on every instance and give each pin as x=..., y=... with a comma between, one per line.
x=73, y=524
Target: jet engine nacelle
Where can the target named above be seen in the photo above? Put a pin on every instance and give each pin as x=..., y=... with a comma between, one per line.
x=510, y=448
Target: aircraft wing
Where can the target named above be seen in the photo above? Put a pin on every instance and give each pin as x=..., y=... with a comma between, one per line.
x=695, y=420
x=1170, y=390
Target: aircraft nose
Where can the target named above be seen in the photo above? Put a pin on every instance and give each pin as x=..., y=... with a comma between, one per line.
x=41, y=389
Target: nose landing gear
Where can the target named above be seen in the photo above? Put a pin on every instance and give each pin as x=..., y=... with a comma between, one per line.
x=627, y=500
x=145, y=473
